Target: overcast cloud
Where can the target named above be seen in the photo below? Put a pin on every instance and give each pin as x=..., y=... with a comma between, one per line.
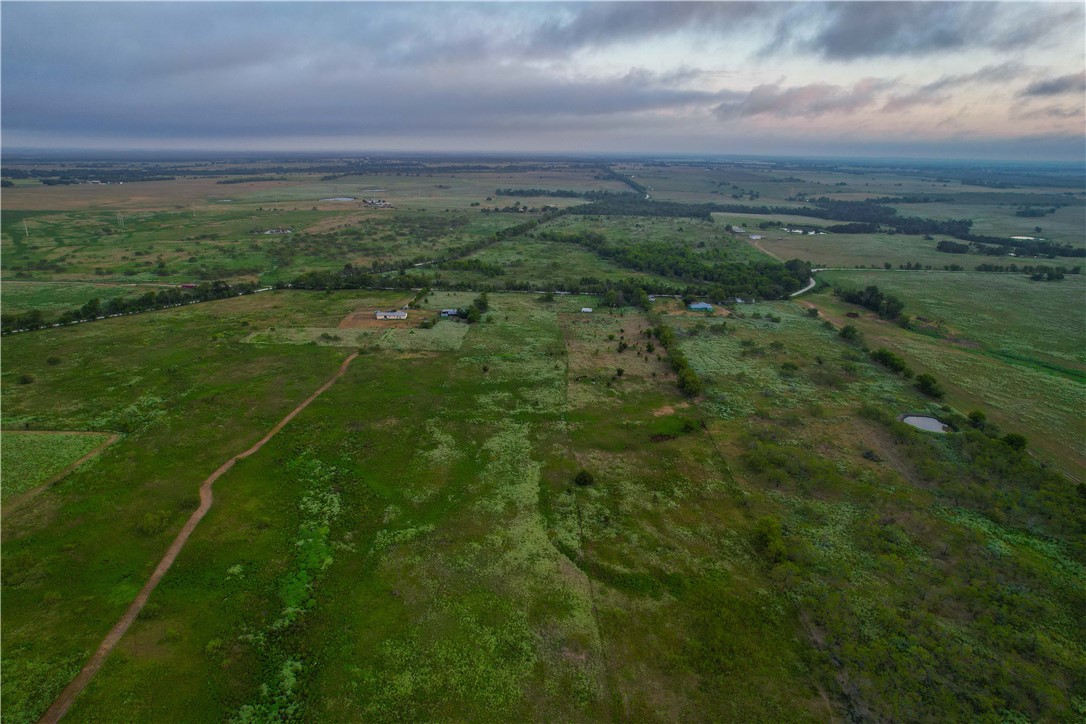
x=854, y=77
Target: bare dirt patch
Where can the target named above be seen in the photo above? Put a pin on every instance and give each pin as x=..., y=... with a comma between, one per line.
x=364, y=317
x=669, y=409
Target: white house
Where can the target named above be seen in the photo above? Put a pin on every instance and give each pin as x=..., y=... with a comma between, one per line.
x=391, y=314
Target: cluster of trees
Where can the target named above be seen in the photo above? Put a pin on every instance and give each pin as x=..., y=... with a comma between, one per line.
x=952, y=247
x=96, y=309
x=993, y=246
x=1034, y=212
x=886, y=306
x=475, y=310
x=689, y=382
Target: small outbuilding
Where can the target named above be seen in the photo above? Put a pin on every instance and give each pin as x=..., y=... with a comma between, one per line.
x=449, y=312
x=700, y=307
x=586, y=310
x=391, y=314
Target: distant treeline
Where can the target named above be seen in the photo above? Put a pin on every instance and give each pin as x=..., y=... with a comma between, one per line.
x=563, y=193
x=864, y=217
x=75, y=175
x=250, y=179
x=723, y=280
x=610, y=173
x=96, y=309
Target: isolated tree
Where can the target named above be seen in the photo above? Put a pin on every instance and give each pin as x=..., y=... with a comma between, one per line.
x=584, y=479
x=929, y=386
x=1015, y=441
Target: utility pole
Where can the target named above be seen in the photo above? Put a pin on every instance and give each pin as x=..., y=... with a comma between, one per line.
x=26, y=232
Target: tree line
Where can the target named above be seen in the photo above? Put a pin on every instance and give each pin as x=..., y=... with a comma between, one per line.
x=96, y=309
x=721, y=279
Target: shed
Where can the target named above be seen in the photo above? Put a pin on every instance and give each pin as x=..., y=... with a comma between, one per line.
x=700, y=307
x=449, y=312
x=391, y=314
x=586, y=310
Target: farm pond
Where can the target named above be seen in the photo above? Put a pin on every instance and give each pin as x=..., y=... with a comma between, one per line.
x=923, y=422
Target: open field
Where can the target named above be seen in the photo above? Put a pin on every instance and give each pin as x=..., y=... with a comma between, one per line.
x=848, y=250
x=32, y=459
x=1067, y=225
x=528, y=517
x=1006, y=314
x=54, y=298
x=417, y=522
x=1017, y=394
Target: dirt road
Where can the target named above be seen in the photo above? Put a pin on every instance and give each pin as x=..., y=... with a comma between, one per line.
x=63, y=702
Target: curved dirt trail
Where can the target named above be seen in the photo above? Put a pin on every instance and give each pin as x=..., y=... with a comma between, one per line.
x=63, y=702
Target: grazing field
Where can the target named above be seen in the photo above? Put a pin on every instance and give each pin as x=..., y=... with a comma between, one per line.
x=528, y=511
x=850, y=250
x=1018, y=393
x=1006, y=314
x=1065, y=225
x=52, y=299
x=31, y=459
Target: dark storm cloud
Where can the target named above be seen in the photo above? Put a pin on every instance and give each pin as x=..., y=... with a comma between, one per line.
x=807, y=101
x=1074, y=83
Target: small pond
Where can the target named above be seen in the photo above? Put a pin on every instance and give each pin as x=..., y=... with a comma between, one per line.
x=340, y=198
x=924, y=422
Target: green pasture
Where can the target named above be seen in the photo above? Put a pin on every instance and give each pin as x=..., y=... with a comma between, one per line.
x=54, y=299
x=698, y=233
x=1067, y=225
x=1006, y=314
x=1018, y=393
x=28, y=460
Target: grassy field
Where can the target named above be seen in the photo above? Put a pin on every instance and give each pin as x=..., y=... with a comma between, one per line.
x=1006, y=314
x=1013, y=386
x=30, y=459
x=849, y=250
x=53, y=299
x=524, y=518
x=413, y=544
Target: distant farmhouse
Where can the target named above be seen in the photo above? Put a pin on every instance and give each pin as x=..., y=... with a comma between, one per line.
x=586, y=310
x=700, y=307
x=449, y=312
x=392, y=314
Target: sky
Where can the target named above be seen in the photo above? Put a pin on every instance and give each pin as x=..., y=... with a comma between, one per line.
x=1001, y=80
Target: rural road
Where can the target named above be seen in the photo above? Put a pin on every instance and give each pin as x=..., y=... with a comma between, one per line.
x=64, y=702
x=809, y=287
